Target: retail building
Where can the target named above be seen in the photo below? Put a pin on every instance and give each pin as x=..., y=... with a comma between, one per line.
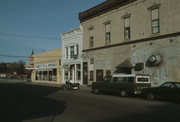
x=47, y=67
x=72, y=60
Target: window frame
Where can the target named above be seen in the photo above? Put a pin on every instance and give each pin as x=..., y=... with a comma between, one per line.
x=157, y=27
x=127, y=29
x=91, y=37
x=107, y=33
x=72, y=52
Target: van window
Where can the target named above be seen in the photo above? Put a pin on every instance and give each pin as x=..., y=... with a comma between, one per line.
x=115, y=79
x=142, y=79
x=122, y=79
x=130, y=79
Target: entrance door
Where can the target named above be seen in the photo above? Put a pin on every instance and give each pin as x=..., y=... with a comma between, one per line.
x=85, y=73
x=99, y=75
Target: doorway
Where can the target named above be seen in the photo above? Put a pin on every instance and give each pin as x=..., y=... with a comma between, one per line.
x=99, y=75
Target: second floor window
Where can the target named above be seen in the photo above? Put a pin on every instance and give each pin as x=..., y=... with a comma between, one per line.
x=91, y=60
x=91, y=38
x=77, y=49
x=155, y=20
x=107, y=34
x=72, y=52
x=127, y=33
x=67, y=53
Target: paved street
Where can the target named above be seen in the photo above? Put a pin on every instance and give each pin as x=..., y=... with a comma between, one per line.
x=21, y=102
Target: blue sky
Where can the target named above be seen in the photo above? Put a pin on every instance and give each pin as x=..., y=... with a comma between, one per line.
x=36, y=24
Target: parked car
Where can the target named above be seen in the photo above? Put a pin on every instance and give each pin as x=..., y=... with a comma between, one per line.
x=167, y=91
x=122, y=84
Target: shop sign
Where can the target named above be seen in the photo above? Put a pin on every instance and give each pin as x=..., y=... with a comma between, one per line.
x=44, y=66
x=66, y=67
x=29, y=66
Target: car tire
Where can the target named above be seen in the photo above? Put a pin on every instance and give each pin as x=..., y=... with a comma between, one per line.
x=123, y=93
x=150, y=96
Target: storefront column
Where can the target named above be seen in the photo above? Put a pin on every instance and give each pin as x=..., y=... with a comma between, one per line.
x=69, y=75
x=69, y=52
x=75, y=73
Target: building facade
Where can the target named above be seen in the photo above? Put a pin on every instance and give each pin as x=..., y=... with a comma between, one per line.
x=72, y=56
x=132, y=36
x=47, y=67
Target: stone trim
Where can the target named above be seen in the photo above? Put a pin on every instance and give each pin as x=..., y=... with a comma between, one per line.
x=154, y=6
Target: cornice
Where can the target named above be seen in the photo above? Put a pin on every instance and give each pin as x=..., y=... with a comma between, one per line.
x=102, y=8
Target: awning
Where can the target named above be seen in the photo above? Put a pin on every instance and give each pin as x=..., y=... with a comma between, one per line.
x=125, y=64
x=124, y=67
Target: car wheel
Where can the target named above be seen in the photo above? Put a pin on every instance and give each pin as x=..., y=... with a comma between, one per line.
x=150, y=96
x=123, y=93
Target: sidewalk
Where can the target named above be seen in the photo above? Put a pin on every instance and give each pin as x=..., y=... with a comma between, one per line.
x=85, y=88
x=82, y=87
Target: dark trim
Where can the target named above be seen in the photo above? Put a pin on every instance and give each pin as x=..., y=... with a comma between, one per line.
x=136, y=41
x=102, y=8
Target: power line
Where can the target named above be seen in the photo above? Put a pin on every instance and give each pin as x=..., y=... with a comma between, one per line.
x=1, y=55
x=26, y=36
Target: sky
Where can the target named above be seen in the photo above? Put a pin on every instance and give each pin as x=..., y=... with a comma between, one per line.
x=27, y=25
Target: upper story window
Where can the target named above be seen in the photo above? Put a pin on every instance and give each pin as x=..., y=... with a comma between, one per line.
x=91, y=60
x=155, y=25
x=107, y=33
x=77, y=49
x=67, y=53
x=91, y=37
x=127, y=33
x=72, y=52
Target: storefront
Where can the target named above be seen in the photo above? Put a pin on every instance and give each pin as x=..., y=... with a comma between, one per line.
x=72, y=59
x=47, y=67
x=73, y=73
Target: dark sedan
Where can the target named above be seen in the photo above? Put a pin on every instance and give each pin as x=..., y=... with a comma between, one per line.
x=168, y=91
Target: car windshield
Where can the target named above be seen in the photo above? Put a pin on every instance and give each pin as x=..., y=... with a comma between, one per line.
x=166, y=85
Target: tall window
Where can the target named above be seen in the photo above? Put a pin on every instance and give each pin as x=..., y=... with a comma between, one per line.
x=108, y=72
x=127, y=33
x=72, y=52
x=67, y=52
x=91, y=60
x=77, y=49
x=107, y=34
x=91, y=38
x=91, y=76
x=155, y=20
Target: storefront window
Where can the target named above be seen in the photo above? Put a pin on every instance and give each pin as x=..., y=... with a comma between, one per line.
x=66, y=75
x=54, y=77
x=46, y=75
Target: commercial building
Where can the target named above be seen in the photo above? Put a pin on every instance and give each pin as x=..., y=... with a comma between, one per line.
x=72, y=60
x=132, y=36
x=47, y=67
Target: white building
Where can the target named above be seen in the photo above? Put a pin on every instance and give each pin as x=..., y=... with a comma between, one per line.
x=72, y=56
